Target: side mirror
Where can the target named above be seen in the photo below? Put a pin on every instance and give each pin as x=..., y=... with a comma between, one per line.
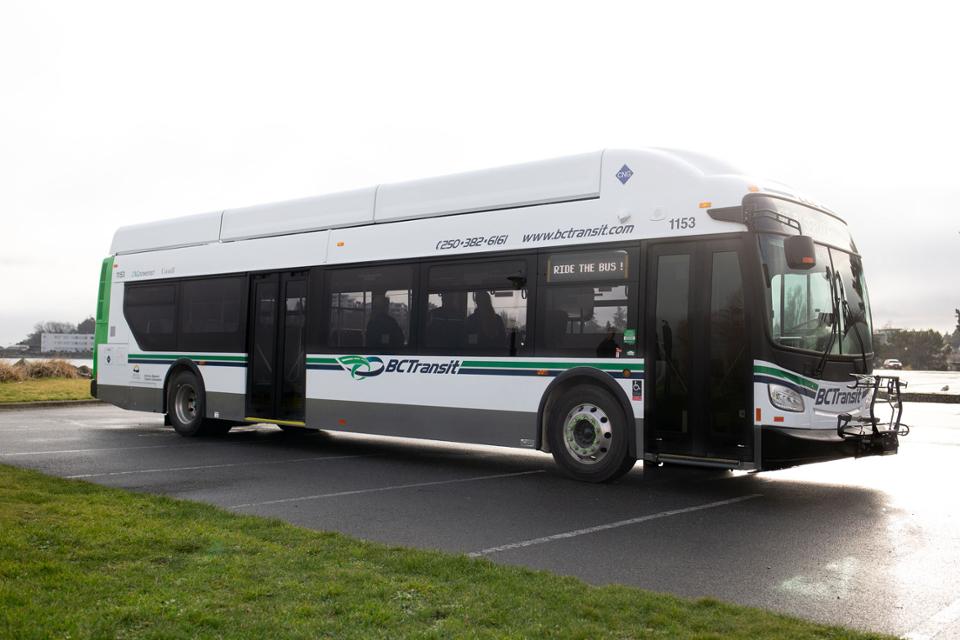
x=800, y=252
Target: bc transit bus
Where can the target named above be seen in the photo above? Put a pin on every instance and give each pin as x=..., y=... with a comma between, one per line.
x=609, y=307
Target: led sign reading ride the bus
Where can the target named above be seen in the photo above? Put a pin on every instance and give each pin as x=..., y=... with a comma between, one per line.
x=580, y=267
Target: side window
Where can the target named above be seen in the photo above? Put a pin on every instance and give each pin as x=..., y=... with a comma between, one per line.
x=151, y=312
x=370, y=308
x=587, y=299
x=476, y=308
x=211, y=317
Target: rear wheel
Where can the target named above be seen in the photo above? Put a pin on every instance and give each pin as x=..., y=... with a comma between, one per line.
x=588, y=434
x=185, y=408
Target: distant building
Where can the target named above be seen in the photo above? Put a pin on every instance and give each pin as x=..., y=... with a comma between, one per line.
x=82, y=342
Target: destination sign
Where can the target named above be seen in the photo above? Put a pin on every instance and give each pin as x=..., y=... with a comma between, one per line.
x=585, y=267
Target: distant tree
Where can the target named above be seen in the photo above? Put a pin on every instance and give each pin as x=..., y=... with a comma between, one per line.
x=87, y=326
x=954, y=338
x=916, y=349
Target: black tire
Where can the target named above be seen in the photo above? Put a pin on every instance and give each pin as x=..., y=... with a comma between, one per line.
x=292, y=430
x=595, y=447
x=186, y=406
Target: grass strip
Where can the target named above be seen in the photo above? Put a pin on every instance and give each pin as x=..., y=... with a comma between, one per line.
x=79, y=560
x=45, y=389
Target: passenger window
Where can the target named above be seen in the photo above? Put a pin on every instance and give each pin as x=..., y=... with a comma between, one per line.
x=370, y=308
x=588, y=320
x=210, y=314
x=151, y=311
x=477, y=308
x=586, y=304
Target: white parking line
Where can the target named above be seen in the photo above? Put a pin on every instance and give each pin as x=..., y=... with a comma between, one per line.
x=211, y=466
x=610, y=525
x=932, y=626
x=40, y=453
x=378, y=489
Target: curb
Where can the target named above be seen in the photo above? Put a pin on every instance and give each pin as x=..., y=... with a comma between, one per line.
x=946, y=398
x=47, y=404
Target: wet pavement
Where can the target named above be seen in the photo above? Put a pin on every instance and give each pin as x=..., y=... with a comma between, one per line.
x=872, y=543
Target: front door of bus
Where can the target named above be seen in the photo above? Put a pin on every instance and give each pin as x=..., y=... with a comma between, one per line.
x=276, y=374
x=699, y=389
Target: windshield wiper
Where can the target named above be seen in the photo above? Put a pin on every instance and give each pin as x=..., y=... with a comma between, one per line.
x=856, y=331
x=834, y=330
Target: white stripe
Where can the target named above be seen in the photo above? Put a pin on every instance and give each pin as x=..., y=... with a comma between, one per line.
x=932, y=626
x=40, y=453
x=211, y=466
x=377, y=489
x=604, y=527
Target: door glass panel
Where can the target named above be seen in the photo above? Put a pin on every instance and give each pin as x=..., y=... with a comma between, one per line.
x=264, y=341
x=673, y=342
x=728, y=347
x=293, y=376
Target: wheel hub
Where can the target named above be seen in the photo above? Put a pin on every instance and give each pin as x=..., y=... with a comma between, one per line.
x=587, y=433
x=185, y=404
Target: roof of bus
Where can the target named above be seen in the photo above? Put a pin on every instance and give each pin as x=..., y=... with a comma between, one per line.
x=565, y=179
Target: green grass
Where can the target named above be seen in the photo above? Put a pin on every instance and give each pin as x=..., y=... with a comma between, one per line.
x=82, y=561
x=45, y=389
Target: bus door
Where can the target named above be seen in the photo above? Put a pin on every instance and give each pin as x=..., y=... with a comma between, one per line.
x=276, y=373
x=698, y=370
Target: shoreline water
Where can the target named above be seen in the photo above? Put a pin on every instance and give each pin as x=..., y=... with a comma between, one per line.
x=77, y=362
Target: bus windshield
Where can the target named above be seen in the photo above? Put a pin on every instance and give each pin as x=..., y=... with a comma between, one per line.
x=805, y=308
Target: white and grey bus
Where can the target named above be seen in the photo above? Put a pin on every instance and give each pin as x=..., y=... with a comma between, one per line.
x=605, y=307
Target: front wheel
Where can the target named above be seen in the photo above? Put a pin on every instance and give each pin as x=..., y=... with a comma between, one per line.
x=588, y=435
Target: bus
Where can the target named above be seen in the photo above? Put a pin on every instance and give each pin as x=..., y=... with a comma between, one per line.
x=609, y=307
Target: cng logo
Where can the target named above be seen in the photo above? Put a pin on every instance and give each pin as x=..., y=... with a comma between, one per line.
x=361, y=367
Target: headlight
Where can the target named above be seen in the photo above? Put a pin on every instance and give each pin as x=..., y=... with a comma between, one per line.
x=785, y=398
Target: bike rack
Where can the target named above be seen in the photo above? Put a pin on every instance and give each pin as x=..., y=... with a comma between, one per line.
x=873, y=435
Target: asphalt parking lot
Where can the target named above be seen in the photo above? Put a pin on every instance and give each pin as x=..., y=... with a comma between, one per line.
x=872, y=543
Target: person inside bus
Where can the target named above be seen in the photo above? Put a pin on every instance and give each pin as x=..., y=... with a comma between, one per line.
x=609, y=348
x=484, y=327
x=383, y=330
x=445, y=325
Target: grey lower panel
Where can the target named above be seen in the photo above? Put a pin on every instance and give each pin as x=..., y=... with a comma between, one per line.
x=230, y=406
x=135, y=398
x=476, y=426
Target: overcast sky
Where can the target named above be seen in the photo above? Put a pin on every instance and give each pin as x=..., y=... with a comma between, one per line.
x=116, y=113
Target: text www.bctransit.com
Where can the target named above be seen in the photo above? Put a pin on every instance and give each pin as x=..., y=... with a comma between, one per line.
x=570, y=233
x=573, y=232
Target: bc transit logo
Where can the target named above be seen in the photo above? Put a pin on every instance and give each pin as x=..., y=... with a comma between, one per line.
x=361, y=367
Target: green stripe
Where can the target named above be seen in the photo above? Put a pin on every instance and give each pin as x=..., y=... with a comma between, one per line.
x=786, y=375
x=188, y=356
x=511, y=364
x=103, y=309
x=322, y=361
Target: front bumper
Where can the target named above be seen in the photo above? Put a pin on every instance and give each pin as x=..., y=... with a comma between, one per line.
x=788, y=447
